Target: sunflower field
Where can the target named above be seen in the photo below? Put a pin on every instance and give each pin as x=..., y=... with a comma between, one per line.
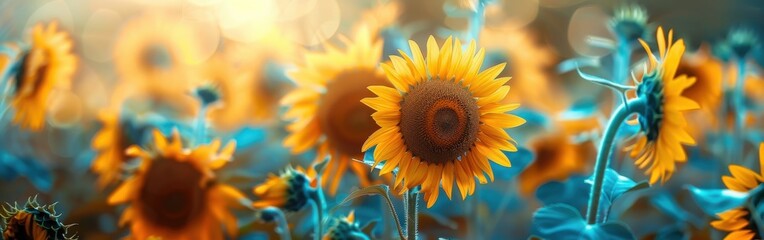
x=381, y=119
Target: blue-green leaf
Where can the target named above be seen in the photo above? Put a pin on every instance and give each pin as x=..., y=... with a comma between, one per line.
x=715, y=201
x=561, y=221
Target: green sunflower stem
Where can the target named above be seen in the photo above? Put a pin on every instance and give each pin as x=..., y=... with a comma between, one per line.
x=201, y=126
x=619, y=116
x=317, y=202
x=281, y=225
x=412, y=213
x=740, y=111
x=622, y=59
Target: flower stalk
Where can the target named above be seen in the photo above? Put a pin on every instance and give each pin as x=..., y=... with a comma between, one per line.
x=319, y=206
x=739, y=108
x=619, y=116
x=412, y=213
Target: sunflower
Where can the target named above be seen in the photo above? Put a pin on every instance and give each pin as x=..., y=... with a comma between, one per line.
x=234, y=109
x=529, y=61
x=326, y=106
x=154, y=45
x=110, y=143
x=345, y=228
x=33, y=221
x=174, y=193
x=736, y=221
x=262, y=64
x=663, y=128
x=443, y=120
x=556, y=158
x=707, y=90
x=290, y=190
x=49, y=63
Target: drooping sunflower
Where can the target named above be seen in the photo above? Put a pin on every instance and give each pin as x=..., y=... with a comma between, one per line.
x=289, y=191
x=663, y=128
x=442, y=121
x=156, y=45
x=110, y=143
x=738, y=221
x=345, y=228
x=326, y=106
x=174, y=193
x=48, y=64
x=32, y=221
x=233, y=110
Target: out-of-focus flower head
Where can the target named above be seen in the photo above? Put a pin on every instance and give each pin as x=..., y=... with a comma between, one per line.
x=174, y=192
x=557, y=157
x=47, y=64
x=290, y=190
x=208, y=93
x=345, y=228
x=262, y=64
x=443, y=121
x=223, y=90
x=326, y=107
x=33, y=221
x=663, y=128
x=742, y=41
x=529, y=65
x=156, y=46
x=629, y=22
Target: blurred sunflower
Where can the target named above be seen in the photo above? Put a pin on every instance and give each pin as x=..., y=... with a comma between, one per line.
x=738, y=221
x=530, y=63
x=556, y=158
x=174, y=193
x=110, y=143
x=290, y=190
x=663, y=128
x=155, y=45
x=233, y=110
x=707, y=70
x=326, y=107
x=47, y=64
x=264, y=83
x=345, y=228
x=443, y=121
x=33, y=221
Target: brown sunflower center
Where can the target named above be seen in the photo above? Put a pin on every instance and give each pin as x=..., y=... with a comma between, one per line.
x=157, y=57
x=439, y=121
x=32, y=71
x=172, y=195
x=344, y=119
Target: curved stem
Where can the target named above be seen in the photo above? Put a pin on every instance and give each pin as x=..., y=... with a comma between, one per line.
x=317, y=201
x=281, y=224
x=412, y=213
x=619, y=116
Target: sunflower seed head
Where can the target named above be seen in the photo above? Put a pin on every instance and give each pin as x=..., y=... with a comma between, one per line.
x=629, y=22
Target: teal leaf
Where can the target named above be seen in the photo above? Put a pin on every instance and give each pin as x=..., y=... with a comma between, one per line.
x=613, y=186
x=715, y=201
x=561, y=221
